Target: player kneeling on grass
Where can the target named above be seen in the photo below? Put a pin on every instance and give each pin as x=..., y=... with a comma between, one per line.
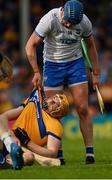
x=35, y=126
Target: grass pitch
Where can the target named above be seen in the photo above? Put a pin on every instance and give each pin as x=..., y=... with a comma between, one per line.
x=75, y=167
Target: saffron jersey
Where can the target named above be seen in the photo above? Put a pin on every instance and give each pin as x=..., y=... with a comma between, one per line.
x=37, y=128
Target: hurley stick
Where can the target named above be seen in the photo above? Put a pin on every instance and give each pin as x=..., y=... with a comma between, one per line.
x=100, y=99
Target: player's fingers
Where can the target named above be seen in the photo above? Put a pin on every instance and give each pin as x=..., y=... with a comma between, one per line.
x=18, y=141
x=36, y=84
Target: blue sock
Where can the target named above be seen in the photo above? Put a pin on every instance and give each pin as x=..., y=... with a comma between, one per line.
x=60, y=154
x=3, y=155
x=90, y=151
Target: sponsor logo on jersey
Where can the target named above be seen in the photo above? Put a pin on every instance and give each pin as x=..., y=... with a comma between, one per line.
x=68, y=41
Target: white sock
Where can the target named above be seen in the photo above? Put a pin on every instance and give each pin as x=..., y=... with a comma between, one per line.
x=7, y=140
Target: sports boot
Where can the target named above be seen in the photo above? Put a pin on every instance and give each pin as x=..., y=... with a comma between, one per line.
x=16, y=156
x=90, y=160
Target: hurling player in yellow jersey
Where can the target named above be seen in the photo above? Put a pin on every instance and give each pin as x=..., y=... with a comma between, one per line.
x=37, y=125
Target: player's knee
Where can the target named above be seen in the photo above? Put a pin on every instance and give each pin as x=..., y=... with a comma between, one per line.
x=28, y=158
x=82, y=110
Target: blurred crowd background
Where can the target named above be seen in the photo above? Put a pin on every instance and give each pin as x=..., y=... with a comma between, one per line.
x=13, y=93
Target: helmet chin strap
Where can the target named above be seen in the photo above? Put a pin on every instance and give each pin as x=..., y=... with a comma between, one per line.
x=57, y=110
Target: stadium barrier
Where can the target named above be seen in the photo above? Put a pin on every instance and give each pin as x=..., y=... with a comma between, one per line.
x=102, y=126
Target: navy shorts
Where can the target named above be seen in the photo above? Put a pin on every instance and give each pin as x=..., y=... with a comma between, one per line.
x=58, y=75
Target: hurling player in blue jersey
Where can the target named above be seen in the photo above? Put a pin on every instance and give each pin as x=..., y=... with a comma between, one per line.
x=62, y=30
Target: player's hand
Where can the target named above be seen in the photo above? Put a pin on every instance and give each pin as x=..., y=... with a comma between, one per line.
x=22, y=136
x=37, y=80
x=95, y=81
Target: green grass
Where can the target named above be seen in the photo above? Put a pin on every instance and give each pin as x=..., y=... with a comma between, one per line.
x=75, y=167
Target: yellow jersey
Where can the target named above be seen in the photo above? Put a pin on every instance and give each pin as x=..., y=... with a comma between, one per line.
x=38, y=129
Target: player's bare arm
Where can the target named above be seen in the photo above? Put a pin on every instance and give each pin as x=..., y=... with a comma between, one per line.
x=30, y=48
x=53, y=146
x=11, y=114
x=92, y=53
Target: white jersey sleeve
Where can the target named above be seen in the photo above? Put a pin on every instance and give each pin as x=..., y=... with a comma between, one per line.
x=87, y=26
x=44, y=25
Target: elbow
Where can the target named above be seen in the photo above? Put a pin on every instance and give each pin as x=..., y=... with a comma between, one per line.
x=27, y=47
x=30, y=48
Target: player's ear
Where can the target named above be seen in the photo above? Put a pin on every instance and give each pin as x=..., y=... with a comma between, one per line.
x=62, y=8
x=62, y=12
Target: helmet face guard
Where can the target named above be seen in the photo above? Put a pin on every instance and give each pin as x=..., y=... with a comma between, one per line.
x=62, y=109
x=73, y=11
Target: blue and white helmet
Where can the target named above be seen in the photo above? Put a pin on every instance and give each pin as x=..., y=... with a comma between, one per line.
x=73, y=11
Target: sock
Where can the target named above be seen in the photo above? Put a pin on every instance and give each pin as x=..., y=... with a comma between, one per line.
x=90, y=151
x=60, y=154
x=7, y=140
